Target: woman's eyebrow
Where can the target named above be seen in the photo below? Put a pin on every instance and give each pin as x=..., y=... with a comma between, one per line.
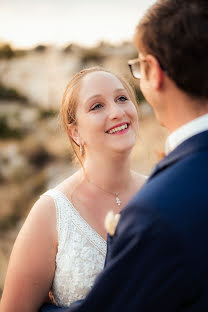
x=100, y=95
x=94, y=96
x=91, y=98
x=120, y=89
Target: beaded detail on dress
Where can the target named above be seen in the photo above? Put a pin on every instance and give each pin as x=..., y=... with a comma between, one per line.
x=81, y=253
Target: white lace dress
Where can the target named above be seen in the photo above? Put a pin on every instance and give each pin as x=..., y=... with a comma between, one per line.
x=81, y=253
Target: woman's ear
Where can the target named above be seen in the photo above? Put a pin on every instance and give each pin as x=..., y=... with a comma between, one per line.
x=73, y=133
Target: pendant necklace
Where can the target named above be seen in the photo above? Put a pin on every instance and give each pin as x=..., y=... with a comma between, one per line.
x=118, y=201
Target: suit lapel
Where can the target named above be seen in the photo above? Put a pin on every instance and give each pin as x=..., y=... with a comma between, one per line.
x=196, y=143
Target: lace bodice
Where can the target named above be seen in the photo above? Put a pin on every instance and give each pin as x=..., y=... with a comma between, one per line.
x=81, y=253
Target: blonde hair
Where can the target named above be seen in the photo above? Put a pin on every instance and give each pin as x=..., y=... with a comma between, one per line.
x=70, y=102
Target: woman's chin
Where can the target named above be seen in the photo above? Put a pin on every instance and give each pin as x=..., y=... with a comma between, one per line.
x=123, y=148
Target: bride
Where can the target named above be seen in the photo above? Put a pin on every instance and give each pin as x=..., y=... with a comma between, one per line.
x=62, y=245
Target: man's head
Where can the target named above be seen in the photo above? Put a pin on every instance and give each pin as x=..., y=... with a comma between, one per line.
x=175, y=32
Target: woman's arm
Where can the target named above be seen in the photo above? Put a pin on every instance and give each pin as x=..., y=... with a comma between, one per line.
x=32, y=262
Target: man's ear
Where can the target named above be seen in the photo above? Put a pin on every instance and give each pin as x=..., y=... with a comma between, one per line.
x=73, y=133
x=156, y=74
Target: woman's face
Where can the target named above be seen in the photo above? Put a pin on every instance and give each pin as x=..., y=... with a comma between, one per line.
x=106, y=118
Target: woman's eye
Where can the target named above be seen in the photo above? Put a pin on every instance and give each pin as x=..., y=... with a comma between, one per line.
x=97, y=106
x=122, y=98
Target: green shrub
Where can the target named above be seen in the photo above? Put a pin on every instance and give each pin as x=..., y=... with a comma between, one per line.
x=7, y=132
x=27, y=192
x=92, y=55
x=68, y=48
x=47, y=113
x=40, y=48
x=7, y=93
x=8, y=222
x=39, y=157
x=6, y=52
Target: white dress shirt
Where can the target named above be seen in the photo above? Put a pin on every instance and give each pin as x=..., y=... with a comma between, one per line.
x=188, y=130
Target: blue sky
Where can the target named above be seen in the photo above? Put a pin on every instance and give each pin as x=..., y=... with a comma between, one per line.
x=26, y=22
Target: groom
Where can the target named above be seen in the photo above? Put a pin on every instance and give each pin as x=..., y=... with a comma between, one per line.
x=158, y=258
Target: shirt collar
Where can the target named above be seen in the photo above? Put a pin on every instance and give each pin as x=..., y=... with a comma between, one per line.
x=183, y=133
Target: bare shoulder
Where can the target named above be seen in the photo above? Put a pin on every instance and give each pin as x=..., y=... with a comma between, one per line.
x=42, y=218
x=43, y=213
x=43, y=207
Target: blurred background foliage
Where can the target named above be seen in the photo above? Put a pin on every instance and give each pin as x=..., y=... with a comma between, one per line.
x=8, y=93
x=7, y=52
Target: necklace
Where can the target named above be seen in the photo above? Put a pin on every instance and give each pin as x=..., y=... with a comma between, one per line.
x=118, y=201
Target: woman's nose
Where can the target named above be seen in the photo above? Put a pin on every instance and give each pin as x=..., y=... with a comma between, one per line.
x=116, y=111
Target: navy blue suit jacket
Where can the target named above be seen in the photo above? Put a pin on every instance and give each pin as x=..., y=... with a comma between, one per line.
x=158, y=258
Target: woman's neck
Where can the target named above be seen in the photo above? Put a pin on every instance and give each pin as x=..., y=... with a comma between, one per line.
x=112, y=175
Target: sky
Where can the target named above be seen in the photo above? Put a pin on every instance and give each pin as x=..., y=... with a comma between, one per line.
x=25, y=23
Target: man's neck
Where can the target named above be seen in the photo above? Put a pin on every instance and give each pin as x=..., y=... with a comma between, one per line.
x=183, y=120
x=181, y=109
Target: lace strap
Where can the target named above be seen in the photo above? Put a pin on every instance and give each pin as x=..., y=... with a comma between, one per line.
x=66, y=215
x=84, y=227
x=62, y=217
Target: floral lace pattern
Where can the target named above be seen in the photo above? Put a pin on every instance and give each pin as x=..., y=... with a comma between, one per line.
x=81, y=253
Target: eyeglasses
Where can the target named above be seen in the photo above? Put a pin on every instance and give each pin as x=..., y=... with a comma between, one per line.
x=135, y=67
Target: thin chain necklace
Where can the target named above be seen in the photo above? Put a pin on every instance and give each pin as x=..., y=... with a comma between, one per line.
x=118, y=201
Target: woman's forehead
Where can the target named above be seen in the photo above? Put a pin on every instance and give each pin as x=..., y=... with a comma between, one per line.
x=99, y=82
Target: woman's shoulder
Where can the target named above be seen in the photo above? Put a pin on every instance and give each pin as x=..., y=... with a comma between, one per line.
x=49, y=202
x=43, y=210
x=40, y=221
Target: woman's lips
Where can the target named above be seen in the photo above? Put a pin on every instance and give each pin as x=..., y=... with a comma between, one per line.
x=120, y=132
x=120, y=128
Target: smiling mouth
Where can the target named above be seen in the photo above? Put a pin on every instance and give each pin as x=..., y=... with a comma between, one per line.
x=118, y=129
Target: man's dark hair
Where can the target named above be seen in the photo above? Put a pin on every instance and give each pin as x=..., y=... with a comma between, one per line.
x=176, y=33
